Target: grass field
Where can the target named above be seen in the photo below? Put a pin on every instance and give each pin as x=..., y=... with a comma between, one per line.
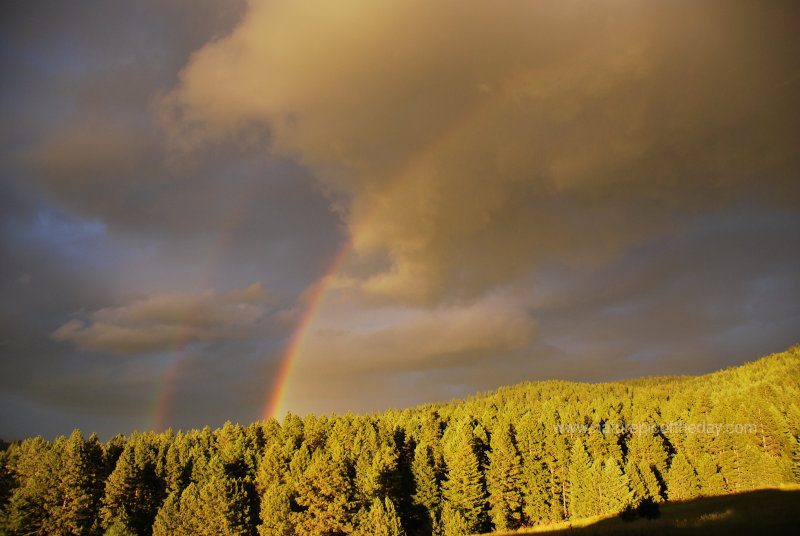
x=769, y=512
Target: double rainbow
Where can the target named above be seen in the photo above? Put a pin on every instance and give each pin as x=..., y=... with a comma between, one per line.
x=276, y=399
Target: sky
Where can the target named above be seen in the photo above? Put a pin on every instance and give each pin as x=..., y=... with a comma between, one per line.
x=217, y=210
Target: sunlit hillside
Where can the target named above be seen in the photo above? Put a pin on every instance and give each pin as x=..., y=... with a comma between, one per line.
x=548, y=453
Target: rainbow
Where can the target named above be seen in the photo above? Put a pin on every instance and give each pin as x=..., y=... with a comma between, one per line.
x=274, y=406
x=160, y=409
x=277, y=394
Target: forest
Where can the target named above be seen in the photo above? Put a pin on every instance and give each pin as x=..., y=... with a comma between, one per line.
x=531, y=454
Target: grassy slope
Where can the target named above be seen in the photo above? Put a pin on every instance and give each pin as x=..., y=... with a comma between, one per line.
x=768, y=511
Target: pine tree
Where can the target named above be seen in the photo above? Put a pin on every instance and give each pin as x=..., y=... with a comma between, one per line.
x=292, y=434
x=168, y=521
x=682, y=483
x=643, y=483
x=639, y=492
x=651, y=482
x=28, y=507
x=729, y=450
x=583, y=479
x=112, y=451
x=762, y=469
x=504, y=480
x=275, y=493
x=382, y=520
x=119, y=528
x=219, y=506
x=76, y=489
x=8, y=482
x=275, y=512
x=324, y=492
x=272, y=469
x=711, y=481
x=134, y=492
x=427, y=496
x=464, y=489
x=615, y=491
x=176, y=468
x=650, y=449
x=796, y=458
x=557, y=456
x=60, y=494
x=223, y=508
x=454, y=523
x=377, y=470
x=531, y=439
x=298, y=465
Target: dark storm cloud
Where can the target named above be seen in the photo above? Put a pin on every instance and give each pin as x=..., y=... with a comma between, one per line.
x=97, y=215
x=583, y=190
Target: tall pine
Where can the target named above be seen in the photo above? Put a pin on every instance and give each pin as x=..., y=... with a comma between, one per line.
x=464, y=489
x=504, y=480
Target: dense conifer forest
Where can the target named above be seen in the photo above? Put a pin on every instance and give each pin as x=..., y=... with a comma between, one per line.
x=534, y=453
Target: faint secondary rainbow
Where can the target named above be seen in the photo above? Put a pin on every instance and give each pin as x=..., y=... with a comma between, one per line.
x=162, y=404
x=274, y=406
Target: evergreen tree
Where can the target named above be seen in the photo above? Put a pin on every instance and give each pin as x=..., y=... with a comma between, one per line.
x=168, y=520
x=682, y=483
x=536, y=494
x=28, y=507
x=222, y=508
x=557, y=457
x=728, y=450
x=324, y=493
x=504, y=480
x=76, y=492
x=112, y=451
x=643, y=483
x=583, y=497
x=134, y=492
x=651, y=482
x=272, y=469
x=217, y=507
x=454, y=523
x=298, y=465
x=274, y=493
x=427, y=496
x=8, y=482
x=276, y=512
x=763, y=470
x=464, y=489
x=711, y=481
x=60, y=496
x=639, y=491
x=382, y=520
x=120, y=529
x=615, y=494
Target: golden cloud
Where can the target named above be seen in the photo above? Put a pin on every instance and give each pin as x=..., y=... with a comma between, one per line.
x=471, y=140
x=163, y=322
